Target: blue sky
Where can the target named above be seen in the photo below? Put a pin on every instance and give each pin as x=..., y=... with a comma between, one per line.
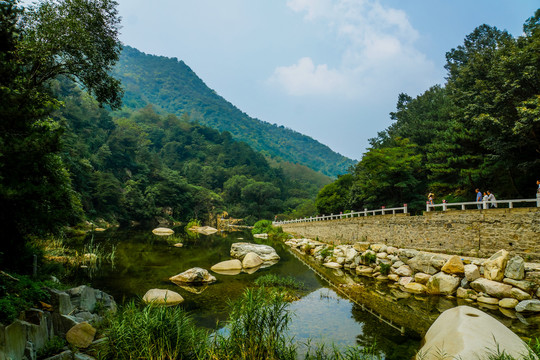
x=330, y=69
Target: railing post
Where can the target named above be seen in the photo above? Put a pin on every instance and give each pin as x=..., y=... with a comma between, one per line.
x=382, y=209
x=404, y=208
x=365, y=212
x=444, y=205
x=537, y=199
x=510, y=205
x=427, y=206
x=484, y=204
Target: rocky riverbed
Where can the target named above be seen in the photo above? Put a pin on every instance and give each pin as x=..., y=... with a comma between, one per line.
x=502, y=282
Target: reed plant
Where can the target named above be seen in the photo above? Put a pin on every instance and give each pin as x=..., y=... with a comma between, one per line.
x=153, y=332
x=256, y=329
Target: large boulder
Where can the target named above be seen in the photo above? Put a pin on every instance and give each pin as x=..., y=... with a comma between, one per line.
x=83, y=297
x=415, y=288
x=427, y=263
x=81, y=335
x=227, y=265
x=251, y=260
x=528, y=306
x=162, y=297
x=403, y=270
x=265, y=252
x=492, y=288
x=524, y=285
x=454, y=265
x=515, y=268
x=443, y=284
x=194, y=275
x=495, y=266
x=471, y=272
x=464, y=332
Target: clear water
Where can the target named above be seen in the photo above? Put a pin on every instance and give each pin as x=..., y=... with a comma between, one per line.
x=144, y=261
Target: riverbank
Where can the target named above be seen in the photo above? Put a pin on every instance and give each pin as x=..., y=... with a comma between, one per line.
x=383, y=278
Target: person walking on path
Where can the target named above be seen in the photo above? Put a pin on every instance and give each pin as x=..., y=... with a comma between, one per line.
x=478, y=198
x=491, y=198
x=430, y=198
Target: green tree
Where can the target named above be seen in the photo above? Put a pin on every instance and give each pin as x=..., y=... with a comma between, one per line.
x=389, y=176
x=72, y=38
x=335, y=197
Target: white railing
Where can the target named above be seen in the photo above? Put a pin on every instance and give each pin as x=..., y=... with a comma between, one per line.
x=481, y=204
x=366, y=212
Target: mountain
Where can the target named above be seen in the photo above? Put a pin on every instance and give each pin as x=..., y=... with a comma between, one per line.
x=172, y=87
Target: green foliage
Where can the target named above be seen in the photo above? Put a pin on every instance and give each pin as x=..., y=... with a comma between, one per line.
x=262, y=227
x=38, y=47
x=479, y=130
x=368, y=258
x=17, y=296
x=335, y=197
x=385, y=268
x=272, y=280
x=52, y=347
x=173, y=87
x=153, y=332
x=257, y=326
x=327, y=251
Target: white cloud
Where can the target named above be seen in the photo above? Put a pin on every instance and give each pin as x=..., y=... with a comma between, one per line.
x=304, y=78
x=379, y=52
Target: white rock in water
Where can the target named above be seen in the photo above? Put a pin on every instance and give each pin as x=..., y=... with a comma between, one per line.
x=161, y=231
x=194, y=275
x=464, y=332
x=251, y=260
x=333, y=265
x=528, y=305
x=234, y=264
x=162, y=297
x=265, y=252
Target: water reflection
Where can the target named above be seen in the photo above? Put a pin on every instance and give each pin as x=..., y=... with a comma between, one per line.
x=144, y=261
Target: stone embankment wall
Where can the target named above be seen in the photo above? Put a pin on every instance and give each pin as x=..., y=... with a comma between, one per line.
x=464, y=232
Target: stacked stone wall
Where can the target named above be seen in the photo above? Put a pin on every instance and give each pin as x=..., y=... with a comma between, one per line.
x=464, y=232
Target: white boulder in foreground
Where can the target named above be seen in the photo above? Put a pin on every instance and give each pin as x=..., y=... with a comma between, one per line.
x=265, y=252
x=161, y=231
x=464, y=332
x=162, y=297
x=194, y=275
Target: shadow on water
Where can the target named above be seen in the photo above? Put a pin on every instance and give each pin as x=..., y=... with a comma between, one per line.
x=144, y=261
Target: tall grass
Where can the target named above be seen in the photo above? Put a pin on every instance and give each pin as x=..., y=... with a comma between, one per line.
x=154, y=333
x=257, y=329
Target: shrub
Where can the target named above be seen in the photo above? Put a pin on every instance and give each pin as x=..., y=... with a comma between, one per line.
x=262, y=227
x=18, y=294
x=385, y=268
x=368, y=258
x=52, y=346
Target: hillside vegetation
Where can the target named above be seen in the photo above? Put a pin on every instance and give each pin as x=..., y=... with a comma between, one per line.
x=480, y=130
x=171, y=86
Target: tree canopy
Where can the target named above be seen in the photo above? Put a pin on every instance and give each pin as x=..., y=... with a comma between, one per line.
x=480, y=130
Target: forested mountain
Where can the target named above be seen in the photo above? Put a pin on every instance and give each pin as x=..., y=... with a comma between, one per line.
x=138, y=165
x=480, y=130
x=172, y=87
